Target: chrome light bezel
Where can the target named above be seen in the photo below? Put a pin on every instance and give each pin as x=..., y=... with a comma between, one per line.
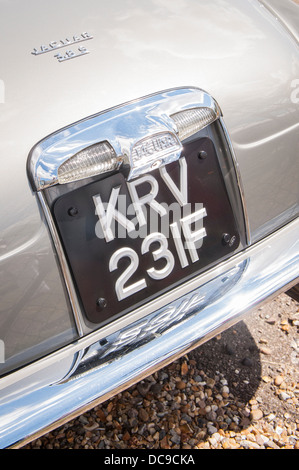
x=124, y=128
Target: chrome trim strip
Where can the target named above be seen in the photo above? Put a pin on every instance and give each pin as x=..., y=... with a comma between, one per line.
x=63, y=264
x=239, y=181
x=272, y=266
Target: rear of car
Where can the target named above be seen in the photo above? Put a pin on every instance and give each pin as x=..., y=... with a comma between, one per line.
x=150, y=190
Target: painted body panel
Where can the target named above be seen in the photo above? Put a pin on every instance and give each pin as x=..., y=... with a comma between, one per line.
x=287, y=12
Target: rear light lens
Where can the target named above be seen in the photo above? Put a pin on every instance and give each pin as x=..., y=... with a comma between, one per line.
x=93, y=160
x=190, y=121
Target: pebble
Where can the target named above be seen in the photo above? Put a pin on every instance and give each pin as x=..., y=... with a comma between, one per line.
x=278, y=380
x=284, y=396
x=256, y=414
x=143, y=415
x=265, y=350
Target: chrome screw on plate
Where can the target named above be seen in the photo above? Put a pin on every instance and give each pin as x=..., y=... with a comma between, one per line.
x=227, y=239
x=101, y=302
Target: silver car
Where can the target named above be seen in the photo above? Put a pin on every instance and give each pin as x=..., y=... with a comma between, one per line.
x=149, y=189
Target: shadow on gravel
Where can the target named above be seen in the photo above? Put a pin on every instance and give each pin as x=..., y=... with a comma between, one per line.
x=236, y=356
x=206, y=399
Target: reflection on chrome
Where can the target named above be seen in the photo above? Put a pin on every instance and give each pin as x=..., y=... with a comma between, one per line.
x=166, y=318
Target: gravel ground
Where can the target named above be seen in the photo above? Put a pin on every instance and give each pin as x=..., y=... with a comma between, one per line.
x=239, y=390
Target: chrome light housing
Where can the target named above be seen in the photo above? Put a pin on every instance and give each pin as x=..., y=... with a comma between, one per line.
x=135, y=137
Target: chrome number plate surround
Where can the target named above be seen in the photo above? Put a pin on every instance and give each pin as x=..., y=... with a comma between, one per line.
x=128, y=242
x=132, y=129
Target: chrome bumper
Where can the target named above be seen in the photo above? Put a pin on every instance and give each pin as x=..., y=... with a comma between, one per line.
x=107, y=367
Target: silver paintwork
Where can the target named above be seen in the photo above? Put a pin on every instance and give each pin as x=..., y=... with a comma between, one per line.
x=257, y=275
x=286, y=12
x=139, y=49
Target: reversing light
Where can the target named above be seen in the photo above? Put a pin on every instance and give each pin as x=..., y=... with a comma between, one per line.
x=94, y=160
x=190, y=121
x=154, y=151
